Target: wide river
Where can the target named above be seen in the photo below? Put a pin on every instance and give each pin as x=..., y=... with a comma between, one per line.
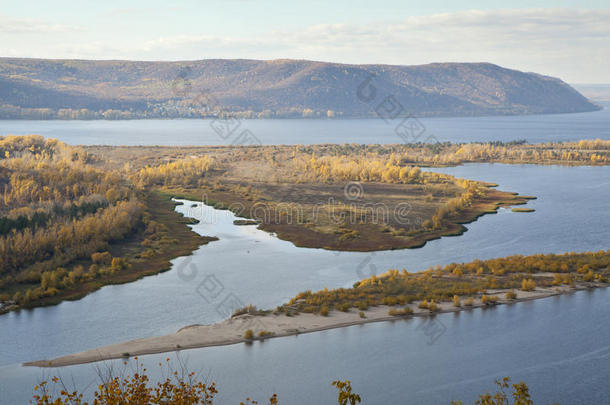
x=559, y=345
x=533, y=128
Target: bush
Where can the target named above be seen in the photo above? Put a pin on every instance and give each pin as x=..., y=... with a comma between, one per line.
x=469, y=302
x=511, y=295
x=456, y=301
x=361, y=314
x=265, y=333
x=324, y=310
x=136, y=388
x=400, y=312
x=345, y=307
x=590, y=276
x=249, y=335
x=489, y=299
x=101, y=258
x=432, y=307
x=119, y=263
x=528, y=285
x=249, y=309
x=423, y=304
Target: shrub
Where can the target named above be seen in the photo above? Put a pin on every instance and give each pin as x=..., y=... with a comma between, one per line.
x=432, y=307
x=469, y=302
x=344, y=307
x=389, y=301
x=119, y=263
x=400, y=312
x=249, y=309
x=324, y=310
x=489, y=299
x=345, y=393
x=423, y=304
x=94, y=269
x=361, y=314
x=101, y=257
x=265, y=333
x=456, y=301
x=528, y=285
x=511, y=295
x=136, y=388
x=249, y=335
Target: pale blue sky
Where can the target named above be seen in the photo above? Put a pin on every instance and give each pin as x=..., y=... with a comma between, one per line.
x=569, y=39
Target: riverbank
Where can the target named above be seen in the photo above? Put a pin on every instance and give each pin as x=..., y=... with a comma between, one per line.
x=307, y=224
x=232, y=331
x=171, y=238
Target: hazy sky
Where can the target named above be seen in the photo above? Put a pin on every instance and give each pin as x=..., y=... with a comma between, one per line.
x=568, y=39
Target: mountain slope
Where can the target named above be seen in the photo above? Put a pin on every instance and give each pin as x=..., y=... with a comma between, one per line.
x=280, y=88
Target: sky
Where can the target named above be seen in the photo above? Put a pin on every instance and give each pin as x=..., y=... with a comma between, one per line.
x=561, y=38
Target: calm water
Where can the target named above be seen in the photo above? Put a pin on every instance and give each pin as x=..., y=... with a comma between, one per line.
x=562, y=339
x=534, y=128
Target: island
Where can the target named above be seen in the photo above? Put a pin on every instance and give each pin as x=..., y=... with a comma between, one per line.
x=390, y=296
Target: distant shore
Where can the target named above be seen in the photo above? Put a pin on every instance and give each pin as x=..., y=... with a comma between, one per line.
x=232, y=331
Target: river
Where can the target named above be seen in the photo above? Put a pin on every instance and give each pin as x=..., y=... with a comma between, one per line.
x=533, y=128
x=558, y=345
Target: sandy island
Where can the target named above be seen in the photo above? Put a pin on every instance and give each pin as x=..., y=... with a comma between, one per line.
x=232, y=330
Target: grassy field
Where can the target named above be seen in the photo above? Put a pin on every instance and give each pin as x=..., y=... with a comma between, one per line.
x=391, y=216
x=340, y=197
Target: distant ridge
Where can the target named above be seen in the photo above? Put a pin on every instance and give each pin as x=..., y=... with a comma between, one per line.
x=81, y=89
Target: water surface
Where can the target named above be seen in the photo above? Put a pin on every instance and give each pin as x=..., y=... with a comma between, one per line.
x=564, y=337
x=533, y=128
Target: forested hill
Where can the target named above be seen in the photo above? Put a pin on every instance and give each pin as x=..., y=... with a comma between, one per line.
x=80, y=89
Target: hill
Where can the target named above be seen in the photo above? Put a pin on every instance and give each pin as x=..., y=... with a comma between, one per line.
x=81, y=89
x=595, y=92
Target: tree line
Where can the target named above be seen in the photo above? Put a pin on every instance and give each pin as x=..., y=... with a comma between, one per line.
x=56, y=208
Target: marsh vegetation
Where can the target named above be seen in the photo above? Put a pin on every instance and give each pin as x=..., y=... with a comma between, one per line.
x=459, y=284
x=75, y=218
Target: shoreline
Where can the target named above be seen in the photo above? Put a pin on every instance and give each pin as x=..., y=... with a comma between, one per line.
x=231, y=331
x=300, y=236
x=162, y=210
